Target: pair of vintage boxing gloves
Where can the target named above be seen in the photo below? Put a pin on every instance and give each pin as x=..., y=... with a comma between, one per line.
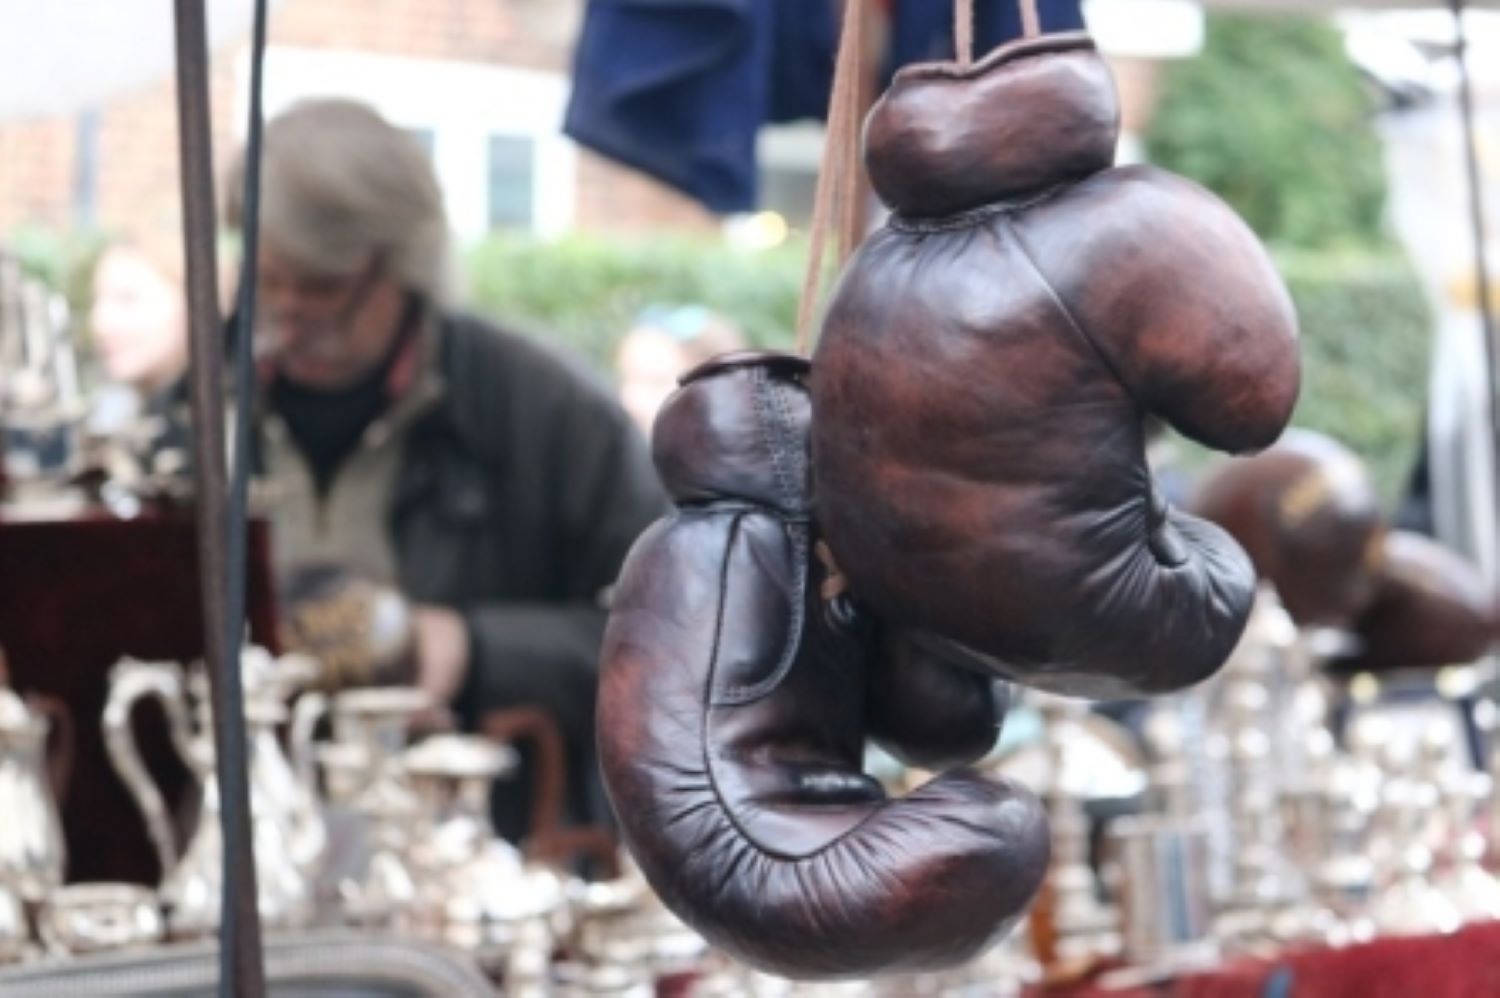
x=968, y=443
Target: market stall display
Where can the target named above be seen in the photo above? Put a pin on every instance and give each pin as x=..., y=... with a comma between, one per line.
x=992, y=340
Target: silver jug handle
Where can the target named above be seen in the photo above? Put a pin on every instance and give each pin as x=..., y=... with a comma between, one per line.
x=129, y=682
x=311, y=707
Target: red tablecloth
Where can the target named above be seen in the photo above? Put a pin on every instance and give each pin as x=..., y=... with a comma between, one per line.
x=1463, y=965
x=75, y=597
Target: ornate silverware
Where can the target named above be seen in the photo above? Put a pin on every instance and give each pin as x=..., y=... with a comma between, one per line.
x=92, y=918
x=288, y=831
x=32, y=853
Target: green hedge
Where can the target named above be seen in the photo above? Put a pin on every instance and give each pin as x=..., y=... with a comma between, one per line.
x=587, y=291
x=1365, y=321
x=1275, y=118
x=1366, y=329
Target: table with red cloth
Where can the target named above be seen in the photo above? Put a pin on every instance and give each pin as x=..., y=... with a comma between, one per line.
x=76, y=595
x=1465, y=964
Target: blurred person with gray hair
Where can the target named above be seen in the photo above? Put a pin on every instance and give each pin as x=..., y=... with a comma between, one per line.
x=492, y=482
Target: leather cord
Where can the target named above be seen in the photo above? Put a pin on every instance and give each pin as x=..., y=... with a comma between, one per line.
x=1031, y=21
x=837, y=199
x=963, y=31
x=963, y=27
x=851, y=202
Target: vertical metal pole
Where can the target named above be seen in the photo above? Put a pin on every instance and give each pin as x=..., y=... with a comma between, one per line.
x=1481, y=251
x=86, y=169
x=241, y=970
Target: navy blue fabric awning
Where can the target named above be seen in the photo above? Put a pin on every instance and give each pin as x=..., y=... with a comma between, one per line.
x=680, y=88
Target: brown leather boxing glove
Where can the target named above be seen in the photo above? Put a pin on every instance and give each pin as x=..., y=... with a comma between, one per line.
x=1308, y=514
x=1430, y=608
x=929, y=711
x=926, y=707
x=732, y=715
x=989, y=357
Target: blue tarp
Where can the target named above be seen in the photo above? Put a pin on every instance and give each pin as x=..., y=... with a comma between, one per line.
x=680, y=88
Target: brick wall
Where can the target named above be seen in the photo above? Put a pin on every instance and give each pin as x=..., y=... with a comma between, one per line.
x=36, y=169
x=612, y=198
x=137, y=155
x=137, y=178
x=472, y=30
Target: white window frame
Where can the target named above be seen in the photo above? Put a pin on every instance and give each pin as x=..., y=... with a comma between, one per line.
x=461, y=103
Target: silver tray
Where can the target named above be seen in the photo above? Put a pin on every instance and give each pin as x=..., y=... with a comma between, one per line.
x=310, y=965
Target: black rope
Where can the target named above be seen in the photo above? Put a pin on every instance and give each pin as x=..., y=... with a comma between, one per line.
x=1481, y=251
x=236, y=764
x=241, y=964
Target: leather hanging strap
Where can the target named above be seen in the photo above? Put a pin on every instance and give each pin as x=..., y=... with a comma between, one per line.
x=963, y=31
x=837, y=199
x=1031, y=21
x=838, y=195
x=963, y=27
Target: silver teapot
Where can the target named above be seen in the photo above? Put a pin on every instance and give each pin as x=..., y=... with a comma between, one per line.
x=32, y=854
x=288, y=833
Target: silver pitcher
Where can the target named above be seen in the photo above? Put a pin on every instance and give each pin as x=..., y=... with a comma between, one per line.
x=288, y=836
x=32, y=854
x=14, y=935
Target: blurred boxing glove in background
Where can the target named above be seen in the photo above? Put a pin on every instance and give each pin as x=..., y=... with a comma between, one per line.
x=1308, y=514
x=1429, y=608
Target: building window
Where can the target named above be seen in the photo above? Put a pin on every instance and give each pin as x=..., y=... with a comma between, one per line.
x=493, y=132
x=789, y=157
x=790, y=191
x=512, y=182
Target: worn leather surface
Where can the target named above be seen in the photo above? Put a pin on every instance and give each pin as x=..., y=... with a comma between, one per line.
x=949, y=140
x=732, y=713
x=1429, y=608
x=987, y=362
x=928, y=709
x=1310, y=518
